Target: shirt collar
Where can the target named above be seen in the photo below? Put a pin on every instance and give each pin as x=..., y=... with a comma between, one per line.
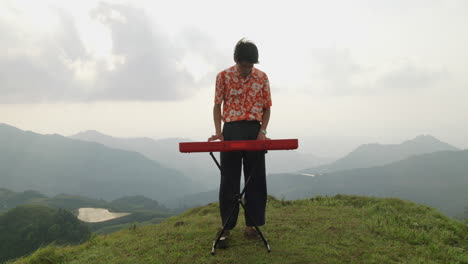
x=253, y=74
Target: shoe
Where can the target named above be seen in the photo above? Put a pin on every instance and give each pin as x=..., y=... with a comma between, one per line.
x=251, y=233
x=223, y=240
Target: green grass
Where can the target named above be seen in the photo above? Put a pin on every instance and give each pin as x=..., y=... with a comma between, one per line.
x=339, y=229
x=114, y=228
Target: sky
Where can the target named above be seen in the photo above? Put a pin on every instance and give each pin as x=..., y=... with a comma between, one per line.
x=342, y=73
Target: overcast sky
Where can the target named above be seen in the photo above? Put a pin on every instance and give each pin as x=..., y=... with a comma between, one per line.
x=342, y=73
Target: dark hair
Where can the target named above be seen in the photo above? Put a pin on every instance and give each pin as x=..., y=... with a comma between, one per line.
x=246, y=50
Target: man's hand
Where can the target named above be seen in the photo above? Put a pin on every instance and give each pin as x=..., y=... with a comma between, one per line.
x=215, y=137
x=262, y=136
x=217, y=123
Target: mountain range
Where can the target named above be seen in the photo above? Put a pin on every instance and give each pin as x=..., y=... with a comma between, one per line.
x=196, y=166
x=199, y=167
x=371, y=155
x=438, y=179
x=54, y=164
x=435, y=178
x=423, y=169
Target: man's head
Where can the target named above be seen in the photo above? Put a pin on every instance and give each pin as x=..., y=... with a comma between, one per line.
x=245, y=56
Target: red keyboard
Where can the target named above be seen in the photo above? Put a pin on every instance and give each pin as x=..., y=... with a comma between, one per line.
x=239, y=145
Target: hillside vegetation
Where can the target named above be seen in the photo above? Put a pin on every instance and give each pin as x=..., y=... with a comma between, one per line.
x=10, y=199
x=339, y=229
x=26, y=228
x=142, y=209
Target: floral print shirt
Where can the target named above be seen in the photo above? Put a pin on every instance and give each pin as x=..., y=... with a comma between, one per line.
x=242, y=98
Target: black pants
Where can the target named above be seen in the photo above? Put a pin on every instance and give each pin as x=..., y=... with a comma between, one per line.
x=231, y=164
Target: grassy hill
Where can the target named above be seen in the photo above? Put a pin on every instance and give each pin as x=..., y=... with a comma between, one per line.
x=339, y=229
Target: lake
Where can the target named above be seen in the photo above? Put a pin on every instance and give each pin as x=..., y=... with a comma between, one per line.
x=94, y=215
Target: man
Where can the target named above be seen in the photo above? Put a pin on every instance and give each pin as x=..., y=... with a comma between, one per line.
x=244, y=93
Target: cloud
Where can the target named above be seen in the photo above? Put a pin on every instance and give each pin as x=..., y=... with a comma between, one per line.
x=198, y=41
x=144, y=64
x=32, y=72
x=410, y=77
x=339, y=74
x=149, y=68
x=336, y=70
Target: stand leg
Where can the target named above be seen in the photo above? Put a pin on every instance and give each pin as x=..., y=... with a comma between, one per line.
x=224, y=227
x=215, y=160
x=256, y=228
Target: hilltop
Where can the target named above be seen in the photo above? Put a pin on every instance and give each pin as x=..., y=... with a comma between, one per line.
x=339, y=229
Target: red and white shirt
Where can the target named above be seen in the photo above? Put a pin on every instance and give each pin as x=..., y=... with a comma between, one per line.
x=242, y=98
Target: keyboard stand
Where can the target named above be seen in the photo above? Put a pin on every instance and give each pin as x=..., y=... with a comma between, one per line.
x=238, y=200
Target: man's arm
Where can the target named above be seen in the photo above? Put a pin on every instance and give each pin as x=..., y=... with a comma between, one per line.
x=265, y=120
x=217, y=118
x=217, y=123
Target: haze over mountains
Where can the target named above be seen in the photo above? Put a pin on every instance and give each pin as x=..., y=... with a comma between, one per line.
x=371, y=155
x=166, y=152
x=197, y=166
x=54, y=164
x=438, y=179
x=423, y=169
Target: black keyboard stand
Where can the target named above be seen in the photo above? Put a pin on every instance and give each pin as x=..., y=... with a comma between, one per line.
x=238, y=200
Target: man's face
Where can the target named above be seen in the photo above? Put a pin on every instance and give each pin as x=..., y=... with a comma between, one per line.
x=244, y=68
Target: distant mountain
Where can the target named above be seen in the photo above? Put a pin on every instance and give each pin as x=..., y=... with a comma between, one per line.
x=198, y=166
x=279, y=185
x=438, y=179
x=197, y=199
x=10, y=199
x=54, y=164
x=371, y=155
x=293, y=160
x=136, y=203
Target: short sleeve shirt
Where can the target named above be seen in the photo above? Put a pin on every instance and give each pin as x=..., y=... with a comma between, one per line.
x=242, y=98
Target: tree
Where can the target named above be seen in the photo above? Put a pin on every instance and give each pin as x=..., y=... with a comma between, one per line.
x=26, y=228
